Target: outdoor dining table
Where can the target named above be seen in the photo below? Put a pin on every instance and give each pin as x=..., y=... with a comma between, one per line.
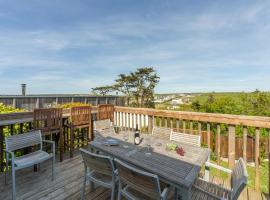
x=151, y=155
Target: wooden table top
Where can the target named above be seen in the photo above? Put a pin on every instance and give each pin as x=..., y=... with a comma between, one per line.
x=172, y=168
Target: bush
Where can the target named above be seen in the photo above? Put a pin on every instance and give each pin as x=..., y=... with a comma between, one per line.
x=8, y=109
x=75, y=104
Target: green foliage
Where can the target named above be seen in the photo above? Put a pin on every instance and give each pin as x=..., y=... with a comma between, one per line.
x=137, y=86
x=8, y=109
x=196, y=106
x=69, y=105
x=225, y=105
x=102, y=90
x=254, y=104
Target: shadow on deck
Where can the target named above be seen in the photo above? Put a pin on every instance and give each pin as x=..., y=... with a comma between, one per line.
x=67, y=184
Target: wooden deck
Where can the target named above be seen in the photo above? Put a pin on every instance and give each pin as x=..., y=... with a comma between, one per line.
x=67, y=184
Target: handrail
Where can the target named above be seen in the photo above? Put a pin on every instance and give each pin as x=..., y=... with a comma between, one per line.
x=254, y=121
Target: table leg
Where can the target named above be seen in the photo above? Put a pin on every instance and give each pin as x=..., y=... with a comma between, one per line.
x=182, y=193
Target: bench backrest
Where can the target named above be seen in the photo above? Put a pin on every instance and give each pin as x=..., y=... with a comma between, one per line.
x=239, y=179
x=194, y=140
x=21, y=141
x=139, y=180
x=161, y=132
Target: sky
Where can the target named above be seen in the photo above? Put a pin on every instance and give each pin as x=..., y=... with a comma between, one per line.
x=67, y=46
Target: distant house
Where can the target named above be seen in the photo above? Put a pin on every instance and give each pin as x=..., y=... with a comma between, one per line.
x=177, y=102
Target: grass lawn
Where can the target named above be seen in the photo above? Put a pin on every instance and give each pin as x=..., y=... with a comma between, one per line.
x=251, y=175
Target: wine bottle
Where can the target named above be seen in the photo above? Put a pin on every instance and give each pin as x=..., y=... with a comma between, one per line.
x=137, y=139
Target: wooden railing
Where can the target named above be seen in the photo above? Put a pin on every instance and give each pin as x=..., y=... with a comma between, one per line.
x=204, y=124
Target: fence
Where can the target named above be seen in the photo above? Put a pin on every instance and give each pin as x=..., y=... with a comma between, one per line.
x=31, y=102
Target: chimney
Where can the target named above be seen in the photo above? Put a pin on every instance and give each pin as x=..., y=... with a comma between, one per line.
x=23, y=89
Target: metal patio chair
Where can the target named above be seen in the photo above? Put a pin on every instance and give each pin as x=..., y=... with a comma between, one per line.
x=21, y=141
x=190, y=139
x=103, y=128
x=162, y=132
x=137, y=184
x=203, y=189
x=99, y=170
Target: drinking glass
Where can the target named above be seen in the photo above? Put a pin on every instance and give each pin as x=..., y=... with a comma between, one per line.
x=125, y=138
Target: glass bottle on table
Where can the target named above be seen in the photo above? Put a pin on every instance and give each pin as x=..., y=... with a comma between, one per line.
x=137, y=138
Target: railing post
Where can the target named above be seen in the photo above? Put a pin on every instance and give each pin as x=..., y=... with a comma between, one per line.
x=191, y=127
x=1, y=148
x=132, y=121
x=218, y=144
x=166, y=122
x=122, y=121
x=200, y=130
x=245, y=144
x=129, y=121
x=14, y=102
x=269, y=162
x=208, y=136
x=37, y=103
x=231, y=146
x=150, y=123
x=177, y=125
x=257, y=154
x=118, y=120
x=184, y=126
x=140, y=120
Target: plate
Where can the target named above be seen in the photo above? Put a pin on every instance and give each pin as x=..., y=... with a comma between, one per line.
x=111, y=142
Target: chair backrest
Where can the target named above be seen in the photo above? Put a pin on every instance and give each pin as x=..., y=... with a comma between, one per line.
x=102, y=124
x=194, y=140
x=141, y=181
x=239, y=178
x=99, y=163
x=21, y=141
x=105, y=111
x=46, y=119
x=80, y=115
x=161, y=132
x=56, y=116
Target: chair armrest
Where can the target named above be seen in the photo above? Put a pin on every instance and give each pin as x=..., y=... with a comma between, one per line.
x=48, y=141
x=209, y=164
x=52, y=144
x=10, y=153
x=165, y=192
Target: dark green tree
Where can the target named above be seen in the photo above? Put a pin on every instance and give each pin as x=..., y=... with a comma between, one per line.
x=102, y=90
x=196, y=106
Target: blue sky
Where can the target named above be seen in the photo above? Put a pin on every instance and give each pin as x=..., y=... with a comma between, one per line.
x=67, y=46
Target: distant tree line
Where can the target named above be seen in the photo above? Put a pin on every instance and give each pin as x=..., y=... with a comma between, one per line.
x=138, y=87
x=256, y=103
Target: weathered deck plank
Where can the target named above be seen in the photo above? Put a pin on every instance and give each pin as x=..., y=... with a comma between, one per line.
x=67, y=184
